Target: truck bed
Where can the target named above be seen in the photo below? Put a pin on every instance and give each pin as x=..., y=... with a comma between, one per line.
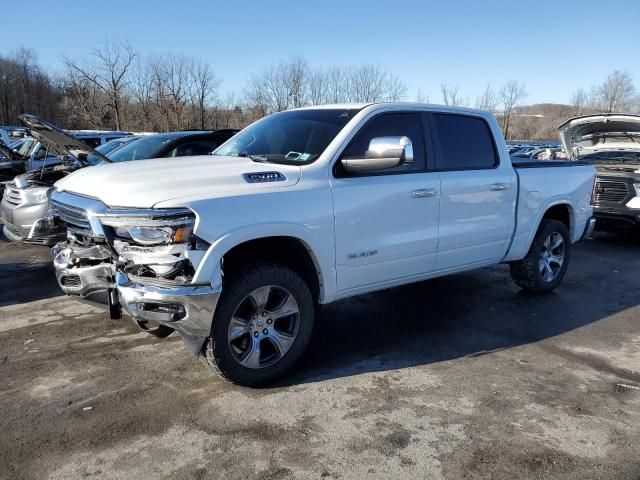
x=543, y=184
x=519, y=162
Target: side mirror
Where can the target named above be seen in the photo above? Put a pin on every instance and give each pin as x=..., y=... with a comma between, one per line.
x=383, y=153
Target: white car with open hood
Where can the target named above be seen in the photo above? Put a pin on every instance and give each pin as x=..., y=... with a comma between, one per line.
x=306, y=207
x=611, y=143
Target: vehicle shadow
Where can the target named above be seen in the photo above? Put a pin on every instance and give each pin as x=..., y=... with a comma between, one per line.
x=26, y=273
x=22, y=282
x=467, y=315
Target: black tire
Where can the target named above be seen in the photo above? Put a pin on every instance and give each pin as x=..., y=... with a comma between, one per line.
x=527, y=273
x=217, y=351
x=159, y=331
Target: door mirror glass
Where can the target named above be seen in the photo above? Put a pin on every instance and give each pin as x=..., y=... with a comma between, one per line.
x=383, y=153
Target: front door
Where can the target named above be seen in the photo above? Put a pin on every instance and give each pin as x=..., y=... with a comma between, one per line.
x=386, y=222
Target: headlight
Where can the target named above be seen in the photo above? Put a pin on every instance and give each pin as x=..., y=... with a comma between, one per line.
x=637, y=187
x=160, y=229
x=39, y=195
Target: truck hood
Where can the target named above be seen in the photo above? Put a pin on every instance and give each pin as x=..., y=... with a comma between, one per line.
x=145, y=183
x=607, y=132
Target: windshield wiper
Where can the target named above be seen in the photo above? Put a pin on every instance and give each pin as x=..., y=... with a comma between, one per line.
x=258, y=158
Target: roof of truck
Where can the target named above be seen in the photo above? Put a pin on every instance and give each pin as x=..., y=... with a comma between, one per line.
x=359, y=106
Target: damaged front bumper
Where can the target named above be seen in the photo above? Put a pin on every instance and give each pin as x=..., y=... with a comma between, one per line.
x=84, y=272
x=186, y=308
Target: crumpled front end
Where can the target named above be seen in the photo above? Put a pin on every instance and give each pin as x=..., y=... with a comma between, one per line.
x=84, y=272
x=139, y=261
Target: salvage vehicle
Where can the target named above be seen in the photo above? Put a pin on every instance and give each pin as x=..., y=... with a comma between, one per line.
x=306, y=207
x=611, y=143
x=24, y=206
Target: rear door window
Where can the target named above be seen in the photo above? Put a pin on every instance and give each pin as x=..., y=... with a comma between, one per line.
x=464, y=142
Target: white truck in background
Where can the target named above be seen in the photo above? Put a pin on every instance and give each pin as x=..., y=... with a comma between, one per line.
x=306, y=207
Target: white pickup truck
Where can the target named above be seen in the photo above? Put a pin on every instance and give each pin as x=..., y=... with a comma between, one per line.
x=307, y=207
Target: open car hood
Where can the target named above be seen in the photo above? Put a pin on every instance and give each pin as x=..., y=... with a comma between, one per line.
x=57, y=141
x=606, y=132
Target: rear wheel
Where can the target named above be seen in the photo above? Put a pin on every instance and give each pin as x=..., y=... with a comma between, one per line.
x=545, y=265
x=262, y=325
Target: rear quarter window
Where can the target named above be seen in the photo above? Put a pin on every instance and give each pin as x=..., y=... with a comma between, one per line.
x=464, y=142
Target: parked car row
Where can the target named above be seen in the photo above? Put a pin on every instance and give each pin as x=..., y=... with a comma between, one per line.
x=24, y=207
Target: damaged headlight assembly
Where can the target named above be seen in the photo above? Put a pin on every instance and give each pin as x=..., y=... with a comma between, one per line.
x=152, y=231
x=156, y=244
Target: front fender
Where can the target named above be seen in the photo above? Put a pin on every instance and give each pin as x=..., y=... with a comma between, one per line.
x=209, y=269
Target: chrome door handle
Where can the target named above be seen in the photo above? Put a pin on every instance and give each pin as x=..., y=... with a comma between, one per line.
x=423, y=192
x=498, y=187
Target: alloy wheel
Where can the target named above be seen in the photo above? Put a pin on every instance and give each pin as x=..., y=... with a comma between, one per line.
x=264, y=326
x=551, y=257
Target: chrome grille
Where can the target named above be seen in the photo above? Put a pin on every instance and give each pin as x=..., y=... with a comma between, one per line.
x=75, y=217
x=13, y=195
x=612, y=191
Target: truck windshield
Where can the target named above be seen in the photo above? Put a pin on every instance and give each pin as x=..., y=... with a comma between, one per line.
x=297, y=137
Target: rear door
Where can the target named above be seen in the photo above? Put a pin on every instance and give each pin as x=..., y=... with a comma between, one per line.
x=386, y=222
x=477, y=191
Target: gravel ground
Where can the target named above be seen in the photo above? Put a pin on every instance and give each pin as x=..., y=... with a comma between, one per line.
x=459, y=377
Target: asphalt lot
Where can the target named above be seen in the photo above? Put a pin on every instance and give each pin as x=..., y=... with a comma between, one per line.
x=459, y=377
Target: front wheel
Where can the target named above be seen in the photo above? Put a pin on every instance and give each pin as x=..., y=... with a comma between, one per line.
x=545, y=265
x=262, y=325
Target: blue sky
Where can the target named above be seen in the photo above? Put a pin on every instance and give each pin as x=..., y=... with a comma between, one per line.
x=552, y=46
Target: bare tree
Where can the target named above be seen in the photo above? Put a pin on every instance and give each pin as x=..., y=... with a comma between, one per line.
x=86, y=105
x=487, y=100
x=106, y=69
x=317, y=87
x=510, y=94
x=142, y=87
x=335, y=85
x=26, y=88
x=451, y=95
x=204, y=89
x=370, y=83
x=579, y=100
x=421, y=97
x=395, y=89
x=617, y=92
x=295, y=75
x=269, y=90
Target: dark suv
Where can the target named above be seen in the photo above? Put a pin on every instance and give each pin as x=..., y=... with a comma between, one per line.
x=171, y=144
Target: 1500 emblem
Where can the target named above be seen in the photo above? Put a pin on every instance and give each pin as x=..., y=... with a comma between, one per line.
x=366, y=253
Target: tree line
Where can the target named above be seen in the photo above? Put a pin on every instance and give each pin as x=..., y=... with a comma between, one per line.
x=115, y=87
